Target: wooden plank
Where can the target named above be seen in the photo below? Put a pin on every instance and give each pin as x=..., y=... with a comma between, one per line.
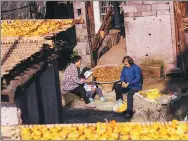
x=185, y=19
x=183, y=5
x=181, y=36
x=102, y=27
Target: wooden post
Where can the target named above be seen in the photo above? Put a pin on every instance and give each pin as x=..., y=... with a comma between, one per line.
x=90, y=27
x=181, y=36
x=116, y=13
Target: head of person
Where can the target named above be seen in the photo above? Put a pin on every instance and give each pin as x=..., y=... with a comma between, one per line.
x=128, y=61
x=77, y=61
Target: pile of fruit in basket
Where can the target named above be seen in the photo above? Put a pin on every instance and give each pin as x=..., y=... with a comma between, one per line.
x=174, y=130
x=107, y=73
x=151, y=94
x=29, y=28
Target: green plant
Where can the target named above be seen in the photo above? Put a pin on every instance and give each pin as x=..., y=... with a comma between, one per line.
x=75, y=53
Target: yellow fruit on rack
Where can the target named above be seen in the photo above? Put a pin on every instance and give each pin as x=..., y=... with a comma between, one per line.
x=124, y=137
x=83, y=137
x=81, y=127
x=109, y=131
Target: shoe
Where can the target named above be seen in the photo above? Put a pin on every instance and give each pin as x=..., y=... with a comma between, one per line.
x=81, y=99
x=91, y=100
x=90, y=105
x=119, y=101
x=103, y=99
x=128, y=114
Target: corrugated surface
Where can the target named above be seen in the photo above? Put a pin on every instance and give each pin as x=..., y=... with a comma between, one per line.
x=16, y=49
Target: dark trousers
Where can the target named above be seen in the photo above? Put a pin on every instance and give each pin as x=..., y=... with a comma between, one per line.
x=119, y=95
x=80, y=91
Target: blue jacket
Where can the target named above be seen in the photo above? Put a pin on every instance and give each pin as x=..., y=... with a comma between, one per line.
x=133, y=76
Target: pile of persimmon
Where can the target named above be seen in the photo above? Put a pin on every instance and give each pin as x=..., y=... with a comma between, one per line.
x=28, y=28
x=107, y=73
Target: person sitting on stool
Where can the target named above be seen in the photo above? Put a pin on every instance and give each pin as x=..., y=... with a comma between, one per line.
x=131, y=82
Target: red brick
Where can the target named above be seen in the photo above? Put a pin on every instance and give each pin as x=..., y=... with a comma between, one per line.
x=151, y=13
x=158, y=7
x=134, y=14
x=6, y=91
x=131, y=3
x=130, y=14
x=26, y=78
x=143, y=8
x=155, y=2
x=149, y=2
x=162, y=2
x=34, y=71
x=128, y=9
x=22, y=80
x=14, y=84
x=164, y=12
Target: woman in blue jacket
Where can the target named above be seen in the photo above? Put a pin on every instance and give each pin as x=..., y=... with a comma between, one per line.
x=131, y=82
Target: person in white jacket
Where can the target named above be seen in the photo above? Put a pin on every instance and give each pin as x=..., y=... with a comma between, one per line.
x=91, y=88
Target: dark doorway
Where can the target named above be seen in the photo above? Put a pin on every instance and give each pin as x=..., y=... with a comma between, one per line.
x=59, y=10
x=63, y=10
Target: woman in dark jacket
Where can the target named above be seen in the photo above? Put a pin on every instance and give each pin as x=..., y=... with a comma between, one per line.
x=131, y=82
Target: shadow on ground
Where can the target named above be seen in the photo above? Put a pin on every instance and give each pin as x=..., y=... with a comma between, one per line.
x=179, y=83
x=179, y=107
x=89, y=116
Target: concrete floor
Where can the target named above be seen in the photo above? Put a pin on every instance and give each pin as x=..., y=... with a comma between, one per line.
x=114, y=55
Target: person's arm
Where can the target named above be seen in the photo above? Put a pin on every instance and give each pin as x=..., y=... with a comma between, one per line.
x=75, y=76
x=122, y=77
x=138, y=74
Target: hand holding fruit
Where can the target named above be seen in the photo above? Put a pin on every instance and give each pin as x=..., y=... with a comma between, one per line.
x=124, y=85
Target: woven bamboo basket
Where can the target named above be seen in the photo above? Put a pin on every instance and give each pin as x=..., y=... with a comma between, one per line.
x=107, y=86
x=15, y=49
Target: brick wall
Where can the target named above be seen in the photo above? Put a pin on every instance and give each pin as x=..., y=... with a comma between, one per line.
x=81, y=29
x=21, y=10
x=82, y=47
x=149, y=30
x=146, y=8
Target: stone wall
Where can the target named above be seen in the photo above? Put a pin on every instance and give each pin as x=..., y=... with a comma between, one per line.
x=149, y=28
x=81, y=29
x=21, y=10
x=82, y=47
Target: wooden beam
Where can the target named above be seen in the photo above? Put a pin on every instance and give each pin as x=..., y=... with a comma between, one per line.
x=102, y=27
x=181, y=36
x=183, y=8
